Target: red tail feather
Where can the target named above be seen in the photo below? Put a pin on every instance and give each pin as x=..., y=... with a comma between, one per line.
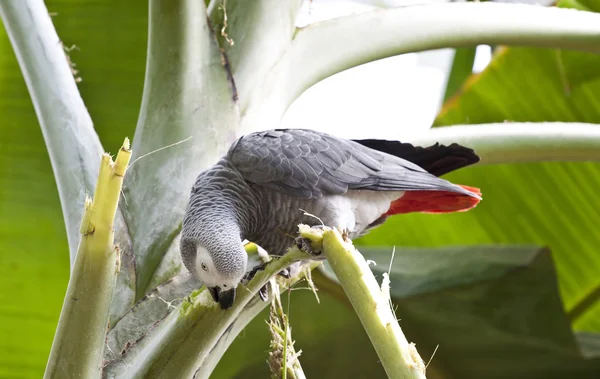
x=434, y=202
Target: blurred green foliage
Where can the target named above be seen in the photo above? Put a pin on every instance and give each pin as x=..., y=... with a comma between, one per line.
x=107, y=43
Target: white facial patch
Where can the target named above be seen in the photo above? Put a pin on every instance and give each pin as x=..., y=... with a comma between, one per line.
x=205, y=267
x=208, y=274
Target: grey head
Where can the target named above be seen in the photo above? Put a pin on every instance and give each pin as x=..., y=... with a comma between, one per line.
x=214, y=254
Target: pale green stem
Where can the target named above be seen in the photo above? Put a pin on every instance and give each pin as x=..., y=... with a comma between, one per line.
x=326, y=48
x=72, y=143
x=252, y=309
x=187, y=97
x=190, y=340
x=521, y=142
x=256, y=35
x=78, y=346
x=398, y=357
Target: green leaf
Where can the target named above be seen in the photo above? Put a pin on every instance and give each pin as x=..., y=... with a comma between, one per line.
x=462, y=68
x=553, y=204
x=419, y=271
x=545, y=203
x=34, y=252
x=491, y=311
x=562, y=194
x=589, y=344
x=70, y=139
x=27, y=326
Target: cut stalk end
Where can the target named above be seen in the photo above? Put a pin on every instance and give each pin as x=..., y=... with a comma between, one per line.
x=78, y=345
x=399, y=358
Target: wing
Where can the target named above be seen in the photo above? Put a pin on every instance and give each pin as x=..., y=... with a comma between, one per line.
x=436, y=159
x=309, y=164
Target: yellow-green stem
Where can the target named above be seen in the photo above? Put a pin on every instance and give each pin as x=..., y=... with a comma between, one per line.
x=78, y=345
x=398, y=357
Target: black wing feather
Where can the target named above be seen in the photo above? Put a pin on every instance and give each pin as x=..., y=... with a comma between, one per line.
x=436, y=159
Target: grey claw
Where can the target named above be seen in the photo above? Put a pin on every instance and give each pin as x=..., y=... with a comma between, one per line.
x=264, y=293
x=305, y=244
x=285, y=273
x=250, y=274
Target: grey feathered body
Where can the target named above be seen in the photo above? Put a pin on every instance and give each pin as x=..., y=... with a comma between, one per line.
x=267, y=217
x=260, y=189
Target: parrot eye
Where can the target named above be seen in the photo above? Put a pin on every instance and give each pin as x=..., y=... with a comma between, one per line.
x=204, y=267
x=224, y=285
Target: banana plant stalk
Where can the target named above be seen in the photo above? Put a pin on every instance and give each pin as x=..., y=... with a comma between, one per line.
x=78, y=346
x=371, y=302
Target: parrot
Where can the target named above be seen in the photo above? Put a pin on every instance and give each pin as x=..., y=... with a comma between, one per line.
x=271, y=181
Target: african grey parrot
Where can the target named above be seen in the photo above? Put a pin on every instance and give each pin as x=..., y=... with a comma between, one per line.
x=267, y=182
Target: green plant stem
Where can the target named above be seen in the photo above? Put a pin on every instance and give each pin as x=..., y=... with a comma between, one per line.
x=398, y=357
x=188, y=96
x=190, y=340
x=325, y=48
x=78, y=346
x=521, y=142
x=72, y=143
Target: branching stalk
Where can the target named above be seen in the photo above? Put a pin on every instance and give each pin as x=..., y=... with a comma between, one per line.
x=190, y=340
x=78, y=345
x=326, y=48
x=398, y=357
x=521, y=142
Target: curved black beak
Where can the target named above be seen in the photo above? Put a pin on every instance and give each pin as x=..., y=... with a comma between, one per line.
x=214, y=293
x=224, y=298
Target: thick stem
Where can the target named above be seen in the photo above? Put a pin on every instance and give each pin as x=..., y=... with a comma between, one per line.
x=521, y=142
x=398, y=357
x=72, y=143
x=190, y=340
x=326, y=48
x=188, y=102
x=254, y=35
x=78, y=345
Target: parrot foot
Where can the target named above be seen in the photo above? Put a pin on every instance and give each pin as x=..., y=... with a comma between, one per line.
x=305, y=244
x=252, y=273
x=285, y=273
x=263, y=293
